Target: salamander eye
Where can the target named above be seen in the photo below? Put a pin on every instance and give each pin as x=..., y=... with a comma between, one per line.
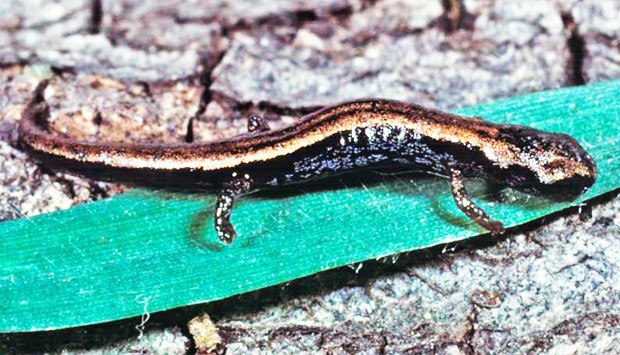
x=557, y=165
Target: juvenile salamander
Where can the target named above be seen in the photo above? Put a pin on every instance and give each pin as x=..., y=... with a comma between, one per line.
x=335, y=139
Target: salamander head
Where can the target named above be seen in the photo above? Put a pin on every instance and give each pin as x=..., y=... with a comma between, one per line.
x=553, y=164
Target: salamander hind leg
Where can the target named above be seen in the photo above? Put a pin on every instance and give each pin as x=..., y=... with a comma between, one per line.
x=224, y=205
x=257, y=124
x=468, y=206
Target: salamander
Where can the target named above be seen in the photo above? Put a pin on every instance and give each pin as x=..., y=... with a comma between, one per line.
x=346, y=137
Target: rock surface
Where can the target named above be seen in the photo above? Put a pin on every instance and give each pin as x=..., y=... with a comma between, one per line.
x=138, y=70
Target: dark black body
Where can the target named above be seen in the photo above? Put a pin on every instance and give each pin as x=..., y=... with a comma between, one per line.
x=335, y=140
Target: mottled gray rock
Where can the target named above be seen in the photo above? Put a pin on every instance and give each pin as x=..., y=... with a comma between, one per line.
x=597, y=26
x=550, y=289
x=603, y=61
x=594, y=16
x=513, y=49
x=143, y=68
x=126, y=113
x=60, y=35
x=124, y=339
x=247, y=11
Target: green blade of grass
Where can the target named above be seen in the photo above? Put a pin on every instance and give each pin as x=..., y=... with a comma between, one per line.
x=155, y=250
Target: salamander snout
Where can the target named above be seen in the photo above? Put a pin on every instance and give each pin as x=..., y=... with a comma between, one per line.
x=565, y=170
x=567, y=189
x=551, y=164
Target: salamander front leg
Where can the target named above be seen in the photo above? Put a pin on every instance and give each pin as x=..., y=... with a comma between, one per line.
x=468, y=206
x=224, y=205
x=257, y=124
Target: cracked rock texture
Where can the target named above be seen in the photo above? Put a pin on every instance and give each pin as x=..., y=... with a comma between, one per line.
x=139, y=70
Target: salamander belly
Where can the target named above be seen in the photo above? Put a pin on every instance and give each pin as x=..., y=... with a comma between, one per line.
x=360, y=148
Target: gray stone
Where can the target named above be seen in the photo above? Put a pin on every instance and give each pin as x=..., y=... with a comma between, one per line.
x=552, y=288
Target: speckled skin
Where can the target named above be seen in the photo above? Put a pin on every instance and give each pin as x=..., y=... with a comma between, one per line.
x=337, y=139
